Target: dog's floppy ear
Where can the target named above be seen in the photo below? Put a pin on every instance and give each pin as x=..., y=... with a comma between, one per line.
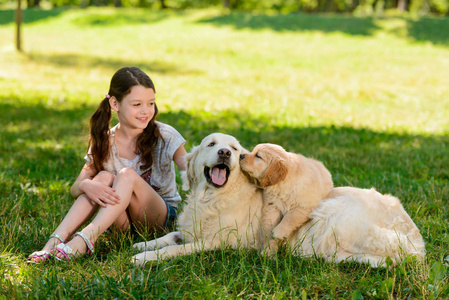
x=189, y=178
x=275, y=173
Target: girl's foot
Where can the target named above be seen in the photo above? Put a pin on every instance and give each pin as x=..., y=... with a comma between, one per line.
x=41, y=256
x=78, y=246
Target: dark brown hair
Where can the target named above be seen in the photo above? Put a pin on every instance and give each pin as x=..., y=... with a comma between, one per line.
x=99, y=143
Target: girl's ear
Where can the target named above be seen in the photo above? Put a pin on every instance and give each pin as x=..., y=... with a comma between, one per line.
x=114, y=104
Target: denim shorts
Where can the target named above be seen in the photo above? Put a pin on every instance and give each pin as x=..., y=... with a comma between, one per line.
x=170, y=222
x=172, y=214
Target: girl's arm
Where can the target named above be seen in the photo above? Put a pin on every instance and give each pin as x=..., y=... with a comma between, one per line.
x=98, y=190
x=86, y=173
x=179, y=159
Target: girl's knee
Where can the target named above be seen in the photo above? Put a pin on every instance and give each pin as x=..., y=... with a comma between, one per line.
x=128, y=174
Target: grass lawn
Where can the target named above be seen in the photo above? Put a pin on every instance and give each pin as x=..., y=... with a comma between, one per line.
x=367, y=96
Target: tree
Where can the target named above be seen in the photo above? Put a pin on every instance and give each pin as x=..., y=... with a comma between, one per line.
x=402, y=5
x=18, y=26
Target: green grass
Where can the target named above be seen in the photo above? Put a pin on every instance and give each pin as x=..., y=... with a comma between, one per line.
x=367, y=96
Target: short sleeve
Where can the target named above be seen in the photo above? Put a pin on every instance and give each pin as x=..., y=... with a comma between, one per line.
x=172, y=139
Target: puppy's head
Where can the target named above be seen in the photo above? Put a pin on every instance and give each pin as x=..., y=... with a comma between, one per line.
x=214, y=160
x=267, y=164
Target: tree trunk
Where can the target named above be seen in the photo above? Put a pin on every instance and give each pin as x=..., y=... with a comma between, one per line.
x=19, y=26
x=226, y=3
x=402, y=5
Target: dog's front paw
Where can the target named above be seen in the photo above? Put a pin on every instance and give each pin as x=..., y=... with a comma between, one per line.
x=144, y=257
x=279, y=234
x=145, y=246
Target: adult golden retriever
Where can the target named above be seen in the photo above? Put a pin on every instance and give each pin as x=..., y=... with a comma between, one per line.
x=360, y=225
x=293, y=185
x=222, y=209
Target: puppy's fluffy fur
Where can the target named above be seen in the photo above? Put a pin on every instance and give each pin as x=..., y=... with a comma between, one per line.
x=359, y=225
x=293, y=185
x=223, y=208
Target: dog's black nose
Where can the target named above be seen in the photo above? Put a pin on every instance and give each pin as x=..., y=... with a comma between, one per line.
x=242, y=156
x=224, y=153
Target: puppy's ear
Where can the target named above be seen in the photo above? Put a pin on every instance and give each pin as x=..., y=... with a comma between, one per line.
x=275, y=173
x=189, y=178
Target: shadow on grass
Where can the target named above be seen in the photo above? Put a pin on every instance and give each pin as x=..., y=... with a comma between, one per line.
x=359, y=157
x=29, y=15
x=426, y=29
x=106, y=17
x=87, y=61
x=297, y=22
x=434, y=30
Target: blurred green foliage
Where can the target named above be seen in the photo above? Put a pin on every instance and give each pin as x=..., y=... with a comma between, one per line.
x=359, y=7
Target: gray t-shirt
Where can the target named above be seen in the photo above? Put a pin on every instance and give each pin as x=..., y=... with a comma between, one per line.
x=161, y=176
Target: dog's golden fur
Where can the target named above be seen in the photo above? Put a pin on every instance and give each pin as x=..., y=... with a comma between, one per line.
x=293, y=185
x=219, y=212
x=359, y=225
x=350, y=225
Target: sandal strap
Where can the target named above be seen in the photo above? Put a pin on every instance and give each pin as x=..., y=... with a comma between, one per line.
x=64, y=250
x=55, y=235
x=89, y=244
x=42, y=255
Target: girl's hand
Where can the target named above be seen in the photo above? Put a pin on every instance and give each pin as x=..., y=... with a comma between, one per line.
x=99, y=192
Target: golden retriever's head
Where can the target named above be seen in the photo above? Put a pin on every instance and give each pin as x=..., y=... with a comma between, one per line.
x=214, y=160
x=267, y=164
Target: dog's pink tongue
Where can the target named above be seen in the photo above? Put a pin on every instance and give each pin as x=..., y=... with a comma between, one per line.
x=218, y=176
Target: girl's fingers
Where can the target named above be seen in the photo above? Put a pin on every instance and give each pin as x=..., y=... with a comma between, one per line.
x=113, y=196
x=101, y=202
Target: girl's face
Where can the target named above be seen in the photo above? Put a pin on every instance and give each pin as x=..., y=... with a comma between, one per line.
x=137, y=108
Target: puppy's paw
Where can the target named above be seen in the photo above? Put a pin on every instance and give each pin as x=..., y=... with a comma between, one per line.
x=145, y=246
x=144, y=257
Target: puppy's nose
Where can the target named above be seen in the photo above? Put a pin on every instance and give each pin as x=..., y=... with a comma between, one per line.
x=224, y=153
x=242, y=156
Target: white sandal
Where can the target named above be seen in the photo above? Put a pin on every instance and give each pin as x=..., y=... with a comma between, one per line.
x=43, y=255
x=68, y=253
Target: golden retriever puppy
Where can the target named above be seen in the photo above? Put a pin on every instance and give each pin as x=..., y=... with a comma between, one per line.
x=293, y=185
x=360, y=225
x=223, y=208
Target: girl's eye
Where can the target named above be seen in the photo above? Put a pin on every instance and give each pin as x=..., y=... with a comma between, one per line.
x=137, y=104
x=211, y=144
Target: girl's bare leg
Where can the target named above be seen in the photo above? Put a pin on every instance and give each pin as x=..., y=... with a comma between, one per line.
x=145, y=207
x=81, y=211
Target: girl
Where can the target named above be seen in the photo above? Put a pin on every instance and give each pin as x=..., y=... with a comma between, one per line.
x=129, y=176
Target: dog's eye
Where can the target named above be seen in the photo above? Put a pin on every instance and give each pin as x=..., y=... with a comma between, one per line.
x=235, y=148
x=258, y=156
x=211, y=144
